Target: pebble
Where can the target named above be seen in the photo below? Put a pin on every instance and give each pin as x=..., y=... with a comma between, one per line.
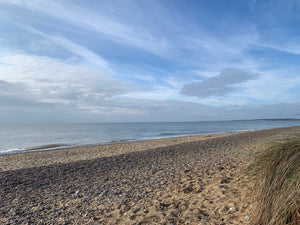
x=232, y=209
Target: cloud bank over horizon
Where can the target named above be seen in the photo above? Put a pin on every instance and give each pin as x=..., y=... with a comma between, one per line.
x=70, y=61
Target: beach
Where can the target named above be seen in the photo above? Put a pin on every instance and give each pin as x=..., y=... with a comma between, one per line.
x=185, y=180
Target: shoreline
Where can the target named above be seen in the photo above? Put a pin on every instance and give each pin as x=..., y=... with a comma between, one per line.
x=70, y=146
x=37, y=158
x=62, y=146
x=192, y=180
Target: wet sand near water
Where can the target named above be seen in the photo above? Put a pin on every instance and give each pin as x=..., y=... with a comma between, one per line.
x=190, y=180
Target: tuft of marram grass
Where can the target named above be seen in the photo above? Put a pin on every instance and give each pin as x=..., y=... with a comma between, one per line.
x=278, y=186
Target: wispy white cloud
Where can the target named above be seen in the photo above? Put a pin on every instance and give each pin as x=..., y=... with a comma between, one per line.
x=289, y=47
x=112, y=28
x=134, y=58
x=273, y=87
x=53, y=80
x=87, y=55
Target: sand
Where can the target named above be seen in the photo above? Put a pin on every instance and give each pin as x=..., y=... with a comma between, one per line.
x=190, y=180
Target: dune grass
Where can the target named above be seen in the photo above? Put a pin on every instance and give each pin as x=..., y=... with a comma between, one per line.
x=278, y=185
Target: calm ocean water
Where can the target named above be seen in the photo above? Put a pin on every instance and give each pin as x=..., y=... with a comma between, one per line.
x=18, y=138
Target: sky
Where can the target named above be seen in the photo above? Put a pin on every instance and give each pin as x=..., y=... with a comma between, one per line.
x=145, y=61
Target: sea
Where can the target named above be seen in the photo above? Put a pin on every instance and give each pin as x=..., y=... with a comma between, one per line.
x=18, y=138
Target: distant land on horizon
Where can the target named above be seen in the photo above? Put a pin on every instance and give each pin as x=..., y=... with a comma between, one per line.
x=191, y=121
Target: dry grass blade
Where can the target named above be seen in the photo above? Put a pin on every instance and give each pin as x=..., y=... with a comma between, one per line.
x=278, y=186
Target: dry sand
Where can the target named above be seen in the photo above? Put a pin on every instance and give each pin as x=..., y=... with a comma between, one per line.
x=190, y=180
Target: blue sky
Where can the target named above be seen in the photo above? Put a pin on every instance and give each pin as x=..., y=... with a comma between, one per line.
x=102, y=61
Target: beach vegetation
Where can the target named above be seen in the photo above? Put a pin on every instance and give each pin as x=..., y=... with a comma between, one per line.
x=278, y=184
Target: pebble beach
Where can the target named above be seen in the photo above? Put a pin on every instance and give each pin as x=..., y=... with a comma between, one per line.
x=185, y=180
